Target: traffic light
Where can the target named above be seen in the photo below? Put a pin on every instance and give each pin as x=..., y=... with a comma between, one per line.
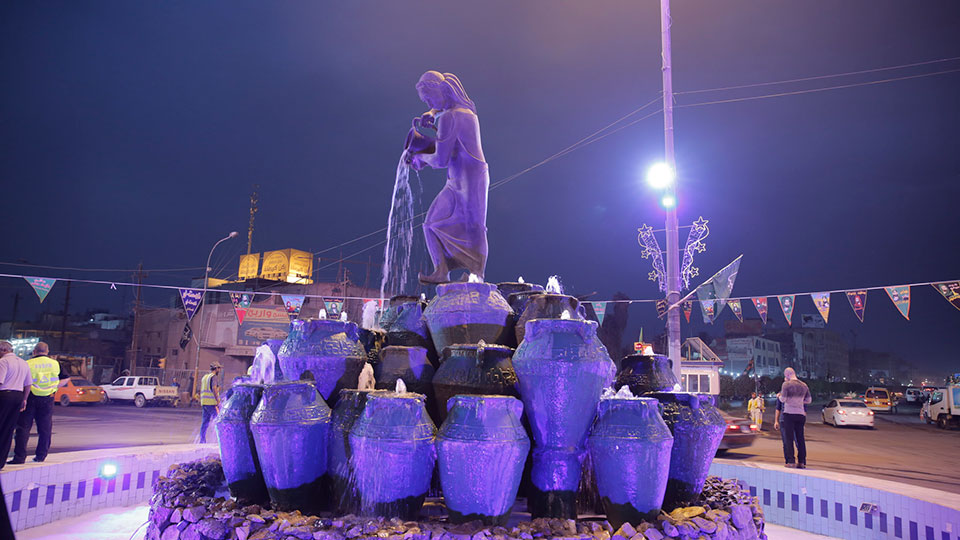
x=162, y=363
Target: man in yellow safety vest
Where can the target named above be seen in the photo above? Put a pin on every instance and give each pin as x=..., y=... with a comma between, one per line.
x=38, y=405
x=209, y=398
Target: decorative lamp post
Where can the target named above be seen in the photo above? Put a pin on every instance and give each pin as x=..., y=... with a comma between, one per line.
x=196, y=335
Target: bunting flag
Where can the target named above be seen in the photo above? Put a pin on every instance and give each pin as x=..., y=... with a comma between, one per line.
x=240, y=304
x=822, y=301
x=600, y=308
x=858, y=301
x=708, y=307
x=950, y=290
x=737, y=309
x=719, y=287
x=900, y=296
x=761, y=305
x=191, y=300
x=333, y=306
x=293, y=303
x=687, y=309
x=786, y=304
x=661, y=308
x=41, y=286
x=186, y=336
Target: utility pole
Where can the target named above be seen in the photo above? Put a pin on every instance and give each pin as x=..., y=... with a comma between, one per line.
x=673, y=243
x=135, y=341
x=63, y=320
x=254, y=199
x=13, y=316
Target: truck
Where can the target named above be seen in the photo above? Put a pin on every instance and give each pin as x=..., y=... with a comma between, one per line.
x=943, y=407
x=140, y=390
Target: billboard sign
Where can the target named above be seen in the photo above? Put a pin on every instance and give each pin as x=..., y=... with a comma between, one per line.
x=262, y=323
x=249, y=266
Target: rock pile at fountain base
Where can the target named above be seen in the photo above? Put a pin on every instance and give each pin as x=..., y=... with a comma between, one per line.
x=191, y=503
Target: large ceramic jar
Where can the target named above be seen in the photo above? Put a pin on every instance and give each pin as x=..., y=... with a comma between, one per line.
x=349, y=407
x=290, y=428
x=518, y=300
x=238, y=453
x=630, y=449
x=562, y=368
x=326, y=351
x=409, y=364
x=467, y=313
x=393, y=454
x=479, y=369
x=373, y=341
x=547, y=306
x=481, y=449
x=646, y=373
x=697, y=428
x=404, y=323
x=509, y=287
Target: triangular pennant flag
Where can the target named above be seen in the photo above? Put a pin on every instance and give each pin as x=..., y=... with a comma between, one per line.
x=761, y=305
x=241, y=302
x=708, y=307
x=661, y=308
x=687, y=309
x=293, y=303
x=600, y=308
x=900, y=296
x=858, y=301
x=191, y=300
x=719, y=287
x=736, y=308
x=41, y=286
x=822, y=301
x=950, y=290
x=786, y=304
x=333, y=306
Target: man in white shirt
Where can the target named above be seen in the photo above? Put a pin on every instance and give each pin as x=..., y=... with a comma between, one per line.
x=15, y=382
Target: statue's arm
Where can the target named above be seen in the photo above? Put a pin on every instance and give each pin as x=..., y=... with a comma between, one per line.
x=446, y=140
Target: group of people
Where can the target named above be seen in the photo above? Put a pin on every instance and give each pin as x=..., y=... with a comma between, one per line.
x=789, y=418
x=27, y=389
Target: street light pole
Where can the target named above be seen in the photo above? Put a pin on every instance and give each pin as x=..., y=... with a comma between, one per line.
x=673, y=243
x=196, y=335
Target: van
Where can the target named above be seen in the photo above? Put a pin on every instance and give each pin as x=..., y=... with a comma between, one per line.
x=913, y=395
x=879, y=399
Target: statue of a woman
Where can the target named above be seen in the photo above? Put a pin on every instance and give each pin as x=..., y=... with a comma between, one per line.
x=456, y=223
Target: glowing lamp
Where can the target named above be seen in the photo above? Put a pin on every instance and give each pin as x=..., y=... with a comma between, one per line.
x=108, y=470
x=660, y=176
x=668, y=201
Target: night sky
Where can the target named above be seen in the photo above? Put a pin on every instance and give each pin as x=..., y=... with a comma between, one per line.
x=133, y=131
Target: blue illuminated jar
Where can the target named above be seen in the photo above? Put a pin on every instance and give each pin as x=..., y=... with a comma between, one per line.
x=481, y=449
x=562, y=368
x=325, y=351
x=349, y=407
x=468, y=313
x=238, y=453
x=291, y=428
x=547, y=306
x=630, y=449
x=393, y=454
x=697, y=428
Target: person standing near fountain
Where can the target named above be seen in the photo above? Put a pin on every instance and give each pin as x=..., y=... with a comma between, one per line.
x=455, y=227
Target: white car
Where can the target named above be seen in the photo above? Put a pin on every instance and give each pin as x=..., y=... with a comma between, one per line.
x=847, y=412
x=141, y=391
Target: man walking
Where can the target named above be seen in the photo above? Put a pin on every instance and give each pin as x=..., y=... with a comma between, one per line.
x=15, y=382
x=795, y=395
x=756, y=407
x=38, y=405
x=209, y=398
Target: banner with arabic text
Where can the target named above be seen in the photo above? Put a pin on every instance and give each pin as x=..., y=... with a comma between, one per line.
x=858, y=301
x=708, y=307
x=761, y=305
x=41, y=286
x=950, y=290
x=191, y=301
x=293, y=303
x=241, y=301
x=786, y=304
x=900, y=296
x=822, y=301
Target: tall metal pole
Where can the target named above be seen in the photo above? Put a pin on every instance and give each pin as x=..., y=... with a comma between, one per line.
x=203, y=295
x=673, y=244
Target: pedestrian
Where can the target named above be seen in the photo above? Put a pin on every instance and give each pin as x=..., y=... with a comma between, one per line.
x=756, y=407
x=15, y=383
x=209, y=398
x=795, y=395
x=38, y=406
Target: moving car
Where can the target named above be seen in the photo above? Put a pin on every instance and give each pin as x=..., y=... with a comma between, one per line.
x=913, y=395
x=141, y=390
x=943, y=407
x=880, y=399
x=847, y=412
x=740, y=433
x=78, y=390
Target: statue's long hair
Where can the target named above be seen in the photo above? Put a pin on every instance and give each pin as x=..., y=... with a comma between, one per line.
x=452, y=86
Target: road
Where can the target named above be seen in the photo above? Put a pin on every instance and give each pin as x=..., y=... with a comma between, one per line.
x=902, y=448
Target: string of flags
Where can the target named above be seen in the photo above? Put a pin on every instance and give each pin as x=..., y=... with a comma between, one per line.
x=711, y=302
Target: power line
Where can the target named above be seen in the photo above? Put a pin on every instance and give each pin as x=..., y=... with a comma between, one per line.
x=98, y=269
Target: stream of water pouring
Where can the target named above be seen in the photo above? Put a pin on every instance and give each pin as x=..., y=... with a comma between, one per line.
x=396, y=254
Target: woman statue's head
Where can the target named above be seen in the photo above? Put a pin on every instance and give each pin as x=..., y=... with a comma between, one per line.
x=443, y=91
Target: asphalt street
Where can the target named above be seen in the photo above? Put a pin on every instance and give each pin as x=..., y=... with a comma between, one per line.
x=901, y=448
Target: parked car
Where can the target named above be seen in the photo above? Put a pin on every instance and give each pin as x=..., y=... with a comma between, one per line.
x=739, y=434
x=141, y=390
x=847, y=412
x=913, y=395
x=78, y=390
x=880, y=399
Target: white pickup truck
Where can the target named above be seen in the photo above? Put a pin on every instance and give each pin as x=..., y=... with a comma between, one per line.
x=140, y=390
x=943, y=407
